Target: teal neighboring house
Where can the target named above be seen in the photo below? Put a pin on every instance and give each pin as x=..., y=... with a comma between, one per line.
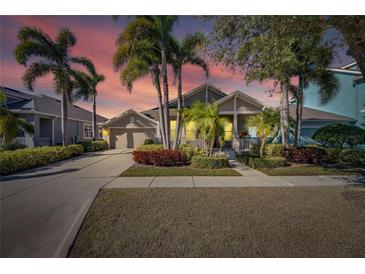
x=349, y=102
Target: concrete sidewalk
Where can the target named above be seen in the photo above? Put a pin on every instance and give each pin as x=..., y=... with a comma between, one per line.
x=42, y=209
x=233, y=181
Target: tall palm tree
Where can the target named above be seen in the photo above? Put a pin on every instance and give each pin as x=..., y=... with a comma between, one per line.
x=185, y=53
x=144, y=47
x=92, y=79
x=10, y=124
x=267, y=125
x=52, y=57
x=208, y=121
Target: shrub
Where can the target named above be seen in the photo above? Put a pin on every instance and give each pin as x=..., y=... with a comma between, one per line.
x=149, y=141
x=163, y=157
x=274, y=150
x=94, y=145
x=209, y=162
x=255, y=149
x=17, y=160
x=305, y=155
x=337, y=135
x=243, y=157
x=12, y=147
x=150, y=147
x=332, y=155
x=191, y=151
x=352, y=157
x=267, y=162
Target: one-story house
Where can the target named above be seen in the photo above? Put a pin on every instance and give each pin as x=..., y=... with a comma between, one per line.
x=131, y=128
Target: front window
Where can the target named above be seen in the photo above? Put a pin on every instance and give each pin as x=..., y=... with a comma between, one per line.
x=228, y=129
x=172, y=128
x=190, y=131
x=88, y=131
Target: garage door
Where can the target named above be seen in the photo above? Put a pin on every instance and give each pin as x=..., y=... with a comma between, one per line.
x=131, y=138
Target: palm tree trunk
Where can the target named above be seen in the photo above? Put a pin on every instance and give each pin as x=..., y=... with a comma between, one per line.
x=299, y=112
x=166, y=99
x=211, y=148
x=64, y=115
x=94, y=117
x=262, y=147
x=179, y=108
x=160, y=108
x=284, y=116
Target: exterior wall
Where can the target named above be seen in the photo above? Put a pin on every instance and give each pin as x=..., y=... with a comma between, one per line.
x=348, y=101
x=129, y=137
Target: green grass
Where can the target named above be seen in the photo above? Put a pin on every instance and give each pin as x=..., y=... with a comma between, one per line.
x=141, y=171
x=307, y=170
x=225, y=222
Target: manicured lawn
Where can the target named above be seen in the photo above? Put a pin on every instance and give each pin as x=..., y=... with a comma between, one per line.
x=307, y=170
x=137, y=171
x=225, y=222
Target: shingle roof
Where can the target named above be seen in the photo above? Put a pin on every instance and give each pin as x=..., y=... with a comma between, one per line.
x=311, y=114
x=47, y=104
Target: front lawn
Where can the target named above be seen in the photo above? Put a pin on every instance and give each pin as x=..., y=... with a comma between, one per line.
x=307, y=170
x=225, y=222
x=141, y=171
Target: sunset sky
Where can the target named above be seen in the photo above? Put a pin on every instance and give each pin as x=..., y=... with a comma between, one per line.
x=96, y=36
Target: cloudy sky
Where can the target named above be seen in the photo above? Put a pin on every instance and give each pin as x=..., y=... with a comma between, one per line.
x=96, y=36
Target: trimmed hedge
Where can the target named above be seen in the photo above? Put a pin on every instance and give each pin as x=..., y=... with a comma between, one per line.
x=270, y=150
x=191, y=151
x=345, y=157
x=17, y=160
x=267, y=162
x=150, y=147
x=94, y=145
x=14, y=146
x=305, y=155
x=149, y=142
x=209, y=162
x=163, y=157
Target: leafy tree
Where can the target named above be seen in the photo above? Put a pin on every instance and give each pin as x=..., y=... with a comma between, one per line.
x=52, y=57
x=208, y=122
x=92, y=79
x=184, y=53
x=267, y=125
x=10, y=124
x=144, y=45
x=337, y=135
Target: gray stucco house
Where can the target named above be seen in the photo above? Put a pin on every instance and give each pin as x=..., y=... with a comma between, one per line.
x=131, y=128
x=44, y=112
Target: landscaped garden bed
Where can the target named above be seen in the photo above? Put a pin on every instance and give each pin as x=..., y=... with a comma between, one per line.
x=225, y=222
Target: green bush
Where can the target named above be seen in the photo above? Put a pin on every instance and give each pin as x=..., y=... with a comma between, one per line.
x=12, y=147
x=151, y=147
x=191, y=151
x=243, y=157
x=337, y=135
x=94, y=145
x=209, y=162
x=255, y=149
x=17, y=160
x=352, y=157
x=267, y=162
x=332, y=155
x=274, y=150
x=149, y=142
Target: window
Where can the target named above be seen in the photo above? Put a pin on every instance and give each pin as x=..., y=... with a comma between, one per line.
x=88, y=131
x=172, y=128
x=190, y=131
x=228, y=129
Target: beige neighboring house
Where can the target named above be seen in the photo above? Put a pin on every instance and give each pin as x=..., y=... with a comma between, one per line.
x=132, y=128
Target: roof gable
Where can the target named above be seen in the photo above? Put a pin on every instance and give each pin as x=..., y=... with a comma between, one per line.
x=121, y=121
x=244, y=101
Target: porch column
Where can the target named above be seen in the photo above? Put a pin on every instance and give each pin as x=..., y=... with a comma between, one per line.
x=158, y=135
x=235, y=137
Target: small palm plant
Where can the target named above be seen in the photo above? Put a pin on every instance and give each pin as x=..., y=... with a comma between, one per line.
x=10, y=124
x=208, y=121
x=267, y=124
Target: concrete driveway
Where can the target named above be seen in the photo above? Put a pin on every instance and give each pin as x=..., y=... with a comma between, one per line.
x=42, y=209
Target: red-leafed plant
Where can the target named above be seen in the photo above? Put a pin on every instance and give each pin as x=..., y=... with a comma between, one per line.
x=305, y=155
x=160, y=158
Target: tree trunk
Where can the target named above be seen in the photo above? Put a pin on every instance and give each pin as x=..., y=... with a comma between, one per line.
x=262, y=147
x=284, y=116
x=299, y=112
x=166, y=99
x=160, y=108
x=211, y=148
x=64, y=115
x=179, y=109
x=94, y=117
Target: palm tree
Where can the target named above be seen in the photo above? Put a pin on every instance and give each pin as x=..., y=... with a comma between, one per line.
x=53, y=57
x=208, y=121
x=267, y=125
x=186, y=53
x=92, y=79
x=10, y=124
x=153, y=34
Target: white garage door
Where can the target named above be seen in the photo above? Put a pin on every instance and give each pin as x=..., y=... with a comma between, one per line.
x=131, y=138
